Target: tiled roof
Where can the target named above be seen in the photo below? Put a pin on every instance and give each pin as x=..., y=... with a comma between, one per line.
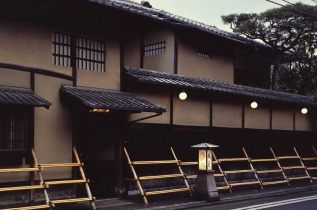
x=21, y=96
x=175, y=20
x=160, y=78
x=96, y=98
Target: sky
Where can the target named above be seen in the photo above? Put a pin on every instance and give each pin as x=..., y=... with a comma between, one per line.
x=210, y=11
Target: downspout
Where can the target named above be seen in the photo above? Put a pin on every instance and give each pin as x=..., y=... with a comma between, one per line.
x=144, y=118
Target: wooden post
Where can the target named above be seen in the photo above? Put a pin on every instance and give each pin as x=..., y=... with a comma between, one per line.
x=254, y=171
x=92, y=202
x=135, y=176
x=301, y=162
x=221, y=171
x=279, y=165
x=314, y=150
x=39, y=173
x=181, y=171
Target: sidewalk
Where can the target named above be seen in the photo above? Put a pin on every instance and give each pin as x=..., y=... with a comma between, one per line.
x=184, y=201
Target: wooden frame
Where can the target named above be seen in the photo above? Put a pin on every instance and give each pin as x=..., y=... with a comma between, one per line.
x=221, y=174
x=302, y=159
x=278, y=158
x=137, y=178
x=41, y=185
x=278, y=170
x=227, y=186
x=80, y=181
x=45, y=185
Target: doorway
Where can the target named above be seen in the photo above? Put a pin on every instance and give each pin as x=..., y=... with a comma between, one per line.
x=98, y=134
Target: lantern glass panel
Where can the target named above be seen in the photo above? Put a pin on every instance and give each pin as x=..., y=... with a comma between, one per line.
x=209, y=160
x=202, y=160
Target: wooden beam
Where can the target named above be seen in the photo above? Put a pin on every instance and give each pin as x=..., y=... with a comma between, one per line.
x=154, y=162
x=167, y=191
x=274, y=182
x=8, y=170
x=243, y=114
x=36, y=71
x=171, y=106
x=271, y=119
x=31, y=207
x=244, y=183
x=74, y=200
x=73, y=59
x=52, y=165
x=175, y=52
x=142, y=51
x=263, y=160
x=232, y=159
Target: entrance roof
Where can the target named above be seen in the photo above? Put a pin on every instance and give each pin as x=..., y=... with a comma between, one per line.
x=174, y=80
x=21, y=96
x=95, y=98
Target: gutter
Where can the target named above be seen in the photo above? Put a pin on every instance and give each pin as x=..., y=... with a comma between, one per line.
x=145, y=118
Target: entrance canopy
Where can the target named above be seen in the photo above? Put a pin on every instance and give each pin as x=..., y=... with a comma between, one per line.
x=21, y=96
x=95, y=98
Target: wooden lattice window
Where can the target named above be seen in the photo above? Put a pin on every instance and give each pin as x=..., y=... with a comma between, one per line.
x=13, y=132
x=61, y=49
x=90, y=54
x=154, y=49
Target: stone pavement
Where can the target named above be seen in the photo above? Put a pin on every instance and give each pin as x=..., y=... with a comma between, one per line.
x=184, y=201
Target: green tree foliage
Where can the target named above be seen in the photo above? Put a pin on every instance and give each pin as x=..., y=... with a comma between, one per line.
x=300, y=74
x=285, y=30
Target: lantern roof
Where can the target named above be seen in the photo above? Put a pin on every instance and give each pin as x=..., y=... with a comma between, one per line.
x=204, y=146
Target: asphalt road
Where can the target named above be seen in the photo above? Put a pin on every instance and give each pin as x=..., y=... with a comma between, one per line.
x=302, y=201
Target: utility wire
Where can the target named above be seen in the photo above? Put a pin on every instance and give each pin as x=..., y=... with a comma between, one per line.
x=303, y=9
x=285, y=6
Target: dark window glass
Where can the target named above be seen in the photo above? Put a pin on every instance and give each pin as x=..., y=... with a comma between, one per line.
x=61, y=49
x=90, y=54
x=12, y=131
x=154, y=49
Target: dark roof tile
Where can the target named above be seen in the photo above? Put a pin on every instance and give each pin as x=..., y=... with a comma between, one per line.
x=162, y=78
x=169, y=18
x=21, y=96
x=96, y=98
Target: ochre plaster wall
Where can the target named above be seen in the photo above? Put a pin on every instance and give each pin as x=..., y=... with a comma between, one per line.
x=303, y=122
x=227, y=114
x=109, y=79
x=192, y=111
x=52, y=128
x=258, y=118
x=165, y=61
x=10, y=77
x=27, y=45
x=219, y=67
x=282, y=118
x=157, y=96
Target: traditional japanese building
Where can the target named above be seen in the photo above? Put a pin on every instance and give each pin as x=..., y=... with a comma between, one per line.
x=99, y=75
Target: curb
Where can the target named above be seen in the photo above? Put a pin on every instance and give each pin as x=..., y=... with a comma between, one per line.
x=250, y=197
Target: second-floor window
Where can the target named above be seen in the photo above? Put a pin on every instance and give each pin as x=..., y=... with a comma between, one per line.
x=61, y=49
x=154, y=49
x=90, y=54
